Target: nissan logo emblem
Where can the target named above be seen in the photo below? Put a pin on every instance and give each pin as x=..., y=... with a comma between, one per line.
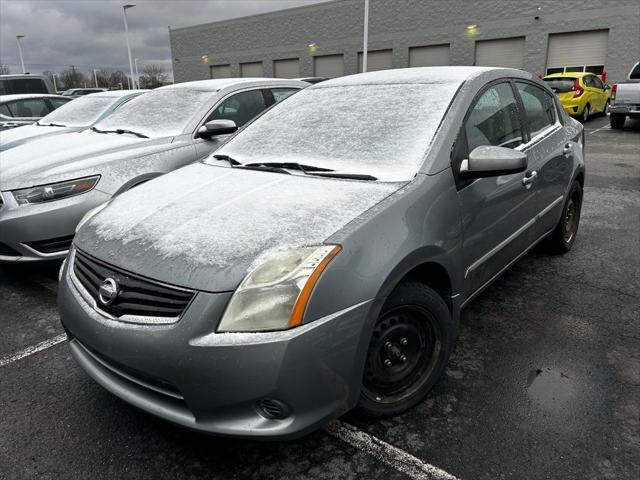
x=108, y=291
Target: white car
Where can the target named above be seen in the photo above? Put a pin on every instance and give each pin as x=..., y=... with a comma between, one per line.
x=26, y=108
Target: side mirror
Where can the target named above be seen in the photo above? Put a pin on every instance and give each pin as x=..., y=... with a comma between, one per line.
x=489, y=161
x=217, y=127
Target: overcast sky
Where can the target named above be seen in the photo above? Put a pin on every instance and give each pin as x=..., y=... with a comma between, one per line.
x=90, y=33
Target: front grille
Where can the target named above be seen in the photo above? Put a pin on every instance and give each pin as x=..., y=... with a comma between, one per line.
x=137, y=296
x=52, y=245
x=8, y=251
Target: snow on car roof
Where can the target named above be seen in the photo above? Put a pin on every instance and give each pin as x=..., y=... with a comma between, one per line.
x=24, y=96
x=413, y=75
x=115, y=93
x=219, y=83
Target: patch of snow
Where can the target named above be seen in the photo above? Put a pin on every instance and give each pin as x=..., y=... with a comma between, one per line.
x=83, y=111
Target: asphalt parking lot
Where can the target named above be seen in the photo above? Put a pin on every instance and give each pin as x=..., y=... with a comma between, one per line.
x=544, y=381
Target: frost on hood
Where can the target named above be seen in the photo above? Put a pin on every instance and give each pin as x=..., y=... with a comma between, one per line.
x=160, y=113
x=81, y=112
x=204, y=226
x=382, y=130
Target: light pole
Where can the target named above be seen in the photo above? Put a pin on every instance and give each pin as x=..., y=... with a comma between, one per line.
x=126, y=34
x=18, y=37
x=55, y=84
x=137, y=82
x=366, y=36
x=95, y=76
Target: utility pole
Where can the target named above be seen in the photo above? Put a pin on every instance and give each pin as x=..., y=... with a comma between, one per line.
x=126, y=34
x=366, y=36
x=95, y=76
x=18, y=37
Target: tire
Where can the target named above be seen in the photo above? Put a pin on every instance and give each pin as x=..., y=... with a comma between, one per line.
x=584, y=116
x=617, y=121
x=409, y=349
x=564, y=234
x=605, y=110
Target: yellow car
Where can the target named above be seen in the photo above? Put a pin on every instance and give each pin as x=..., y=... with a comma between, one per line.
x=582, y=94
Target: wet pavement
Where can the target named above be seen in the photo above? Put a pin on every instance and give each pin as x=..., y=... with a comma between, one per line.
x=544, y=381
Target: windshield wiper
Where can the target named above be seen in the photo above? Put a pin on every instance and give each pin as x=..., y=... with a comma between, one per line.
x=348, y=176
x=290, y=165
x=232, y=161
x=50, y=124
x=120, y=131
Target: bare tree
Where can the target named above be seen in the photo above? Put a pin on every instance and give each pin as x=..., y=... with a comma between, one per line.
x=153, y=76
x=72, y=78
x=5, y=70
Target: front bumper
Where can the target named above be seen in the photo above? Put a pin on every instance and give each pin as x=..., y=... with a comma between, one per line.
x=215, y=383
x=42, y=231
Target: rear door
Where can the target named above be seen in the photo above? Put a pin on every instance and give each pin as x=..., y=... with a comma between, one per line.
x=549, y=153
x=498, y=212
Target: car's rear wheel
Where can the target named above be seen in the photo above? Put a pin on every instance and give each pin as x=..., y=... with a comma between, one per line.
x=410, y=346
x=585, y=113
x=617, y=121
x=564, y=234
x=605, y=110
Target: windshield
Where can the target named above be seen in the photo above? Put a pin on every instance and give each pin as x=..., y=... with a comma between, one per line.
x=160, y=113
x=378, y=130
x=561, y=85
x=82, y=112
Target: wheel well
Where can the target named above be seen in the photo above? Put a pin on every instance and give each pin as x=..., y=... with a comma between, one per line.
x=435, y=276
x=580, y=179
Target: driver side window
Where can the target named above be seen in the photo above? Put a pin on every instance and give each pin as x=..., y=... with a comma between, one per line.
x=240, y=108
x=494, y=120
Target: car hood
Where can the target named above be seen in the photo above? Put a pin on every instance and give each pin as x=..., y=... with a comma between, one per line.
x=70, y=155
x=17, y=136
x=205, y=227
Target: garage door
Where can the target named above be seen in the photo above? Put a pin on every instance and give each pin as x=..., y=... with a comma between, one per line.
x=576, y=50
x=289, y=68
x=220, y=71
x=505, y=52
x=377, y=60
x=430, y=56
x=252, y=69
x=328, y=66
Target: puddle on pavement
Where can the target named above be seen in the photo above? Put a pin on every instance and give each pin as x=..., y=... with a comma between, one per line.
x=550, y=388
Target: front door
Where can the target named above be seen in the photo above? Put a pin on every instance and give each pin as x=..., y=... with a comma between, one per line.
x=498, y=213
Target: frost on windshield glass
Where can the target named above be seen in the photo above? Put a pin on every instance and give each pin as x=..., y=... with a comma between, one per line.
x=81, y=112
x=161, y=113
x=379, y=130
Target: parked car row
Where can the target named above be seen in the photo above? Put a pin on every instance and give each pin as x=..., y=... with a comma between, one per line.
x=313, y=262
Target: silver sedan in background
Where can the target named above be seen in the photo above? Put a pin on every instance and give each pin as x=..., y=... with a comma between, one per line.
x=71, y=117
x=47, y=185
x=23, y=109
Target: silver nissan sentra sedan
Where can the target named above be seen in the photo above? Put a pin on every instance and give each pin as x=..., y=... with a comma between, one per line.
x=48, y=184
x=318, y=262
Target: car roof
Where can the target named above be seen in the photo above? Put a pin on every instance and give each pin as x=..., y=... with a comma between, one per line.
x=415, y=75
x=24, y=96
x=116, y=93
x=569, y=75
x=21, y=75
x=215, y=85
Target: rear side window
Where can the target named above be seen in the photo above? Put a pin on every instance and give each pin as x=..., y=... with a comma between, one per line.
x=280, y=94
x=33, y=107
x=539, y=108
x=635, y=73
x=57, y=102
x=494, y=119
x=15, y=86
x=4, y=110
x=597, y=83
x=240, y=108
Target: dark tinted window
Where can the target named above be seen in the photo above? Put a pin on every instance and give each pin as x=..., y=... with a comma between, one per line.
x=240, y=108
x=635, y=73
x=494, y=119
x=4, y=110
x=32, y=107
x=595, y=69
x=597, y=83
x=538, y=106
x=14, y=86
x=57, y=102
x=280, y=94
x=560, y=85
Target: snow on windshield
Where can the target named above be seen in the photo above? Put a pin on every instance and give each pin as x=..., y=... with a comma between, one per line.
x=379, y=130
x=161, y=113
x=81, y=112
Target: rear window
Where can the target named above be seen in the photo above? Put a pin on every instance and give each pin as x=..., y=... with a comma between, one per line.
x=635, y=73
x=560, y=85
x=14, y=86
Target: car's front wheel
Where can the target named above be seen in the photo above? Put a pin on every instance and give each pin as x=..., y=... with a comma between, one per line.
x=564, y=234
x=409, y=349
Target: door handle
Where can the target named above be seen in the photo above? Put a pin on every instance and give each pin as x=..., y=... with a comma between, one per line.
x=566, y=151
x=529, y=178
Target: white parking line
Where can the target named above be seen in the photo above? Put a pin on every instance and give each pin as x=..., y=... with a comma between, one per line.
x=32, y=349
x=394, y=457
x=601, y=128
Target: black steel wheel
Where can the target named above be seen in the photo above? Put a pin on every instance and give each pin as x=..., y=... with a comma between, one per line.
x=409, y=348
x=564, y=235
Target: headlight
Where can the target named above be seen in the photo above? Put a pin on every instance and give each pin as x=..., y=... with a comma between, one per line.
x=55, y=191
x=274, y=295
x=90, y=214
